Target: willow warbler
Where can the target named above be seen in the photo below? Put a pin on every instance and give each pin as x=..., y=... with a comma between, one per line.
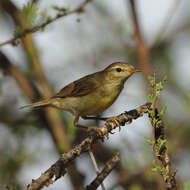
x=92, y=94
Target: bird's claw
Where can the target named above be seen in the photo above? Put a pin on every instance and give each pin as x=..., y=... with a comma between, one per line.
x=113, y=121
x=129, y=121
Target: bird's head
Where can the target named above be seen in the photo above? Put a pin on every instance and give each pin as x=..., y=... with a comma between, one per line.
x=120, y=71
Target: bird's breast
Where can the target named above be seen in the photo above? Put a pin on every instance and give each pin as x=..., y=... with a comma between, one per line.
x=100, y=99
x=93, y=103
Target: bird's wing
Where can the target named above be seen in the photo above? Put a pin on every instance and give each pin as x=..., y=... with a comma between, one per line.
x=80, y=87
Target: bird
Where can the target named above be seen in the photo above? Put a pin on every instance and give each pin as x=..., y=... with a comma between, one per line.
x=91, y=94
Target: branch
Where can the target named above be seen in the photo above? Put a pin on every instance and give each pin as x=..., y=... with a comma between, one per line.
x=161, y=151
x=10, y=187
x=109, y=166
x=79, y=9
x=59, y=168
x=162, y=158
x=95, y=166
x=22, y=80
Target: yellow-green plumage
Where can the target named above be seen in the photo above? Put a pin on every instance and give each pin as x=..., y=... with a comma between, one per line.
x=91, y=94
x=37, y=104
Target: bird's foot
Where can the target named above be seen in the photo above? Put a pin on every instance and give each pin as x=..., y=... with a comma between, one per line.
x=113, y=121
x=97, y=130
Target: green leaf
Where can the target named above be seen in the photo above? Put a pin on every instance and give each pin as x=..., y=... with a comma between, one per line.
x=160, y=145
x=151, y=98
x=159, y=87
x=158, y=122
x=154, y=162
x=163, y=111
x=29, y=12
x=151, y=113
x=164, y=80
x=61, y=9
x=159, y=170
x=187, y=185
x=18, y=31
x=163, y=171
x=151, y=79
x=148, y=140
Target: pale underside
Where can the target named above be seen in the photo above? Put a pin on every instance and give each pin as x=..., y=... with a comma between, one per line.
x=87, y=97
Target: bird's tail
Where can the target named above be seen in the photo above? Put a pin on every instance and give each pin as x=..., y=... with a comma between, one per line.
x=38, y=104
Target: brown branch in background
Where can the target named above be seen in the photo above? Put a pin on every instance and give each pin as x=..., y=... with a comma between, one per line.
x=109, y=166
x=59, y=168
x=52, y=115
x=143, y=51
x=24, y=83
x=22, y=80
x=161, y=152
x=10, y=187
x=43, y=25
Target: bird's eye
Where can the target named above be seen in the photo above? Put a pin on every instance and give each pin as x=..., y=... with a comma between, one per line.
x=118, y=70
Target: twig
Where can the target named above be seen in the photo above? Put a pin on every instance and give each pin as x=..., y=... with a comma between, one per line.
x=109, y=166
x=59, y=168
x=162, y=158
x=22, y=80
x=159, y=140
x=95, y=165
x=161, y=152
x=10, y=187
x=43, y=25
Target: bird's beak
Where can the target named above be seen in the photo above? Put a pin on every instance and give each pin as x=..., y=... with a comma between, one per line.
x=134, y=71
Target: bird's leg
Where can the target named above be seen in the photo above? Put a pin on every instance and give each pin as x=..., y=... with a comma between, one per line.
x=95, y=118
x=113, y=120
x=89, y=128
x=109, y=119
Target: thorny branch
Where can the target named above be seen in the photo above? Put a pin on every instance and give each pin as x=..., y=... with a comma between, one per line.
x=161, y=154
x=79, y=9
x=109, y=166
x=162, y=157
x=59, y=168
